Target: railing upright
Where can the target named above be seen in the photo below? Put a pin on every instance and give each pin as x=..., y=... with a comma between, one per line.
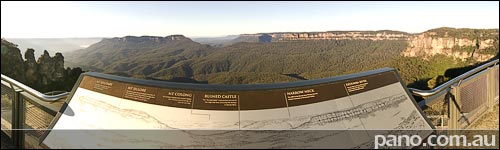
x=17, y=119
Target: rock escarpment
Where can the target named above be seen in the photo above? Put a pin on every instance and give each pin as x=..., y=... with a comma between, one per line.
x=463, y=44
x=142, y=39
x=45, y=74
x=329, y=35
x=479, y=45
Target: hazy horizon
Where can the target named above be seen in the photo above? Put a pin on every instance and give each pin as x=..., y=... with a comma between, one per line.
x=219, y=19
x=215, y=36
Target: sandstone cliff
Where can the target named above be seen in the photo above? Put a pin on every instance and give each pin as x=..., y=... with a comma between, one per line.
x=51, y=69
x=329, y=35
x=12, y=61
x=45, y=74
x=480, y=45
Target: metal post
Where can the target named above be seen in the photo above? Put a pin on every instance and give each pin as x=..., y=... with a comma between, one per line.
x=490, y=79
x=15, y=126
x=453, y=110
x=17, y=120
x=22, y=114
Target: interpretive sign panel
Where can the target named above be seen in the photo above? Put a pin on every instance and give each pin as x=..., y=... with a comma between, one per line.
x=106, y=111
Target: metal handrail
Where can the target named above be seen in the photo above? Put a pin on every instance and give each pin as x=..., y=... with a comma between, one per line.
x=52, y=92
x=448, y=84
x=48, y=98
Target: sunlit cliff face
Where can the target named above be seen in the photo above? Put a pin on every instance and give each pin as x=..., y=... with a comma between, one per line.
x=426, y=45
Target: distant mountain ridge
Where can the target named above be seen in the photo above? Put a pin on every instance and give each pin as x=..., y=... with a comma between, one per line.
x=144, y=55
x=328, y=35
x=216, y=41
x=167, y=58
x=149, y=38
x=276, y=56
x=458, y=43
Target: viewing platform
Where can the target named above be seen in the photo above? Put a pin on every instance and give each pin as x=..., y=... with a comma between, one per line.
x=469, y=101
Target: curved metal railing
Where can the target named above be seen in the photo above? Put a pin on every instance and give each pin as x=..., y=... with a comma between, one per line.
x=442, y=87
x=417, y=92
x=24, y=96
x=41, y=96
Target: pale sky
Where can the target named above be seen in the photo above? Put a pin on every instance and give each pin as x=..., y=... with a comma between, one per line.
x=209, y=19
